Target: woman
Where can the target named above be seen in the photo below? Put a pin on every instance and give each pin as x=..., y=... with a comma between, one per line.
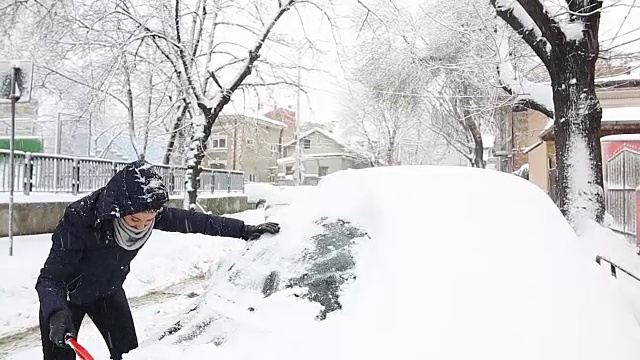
x=92, y=248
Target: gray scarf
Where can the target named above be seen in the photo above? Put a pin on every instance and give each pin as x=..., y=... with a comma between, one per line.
x=129, y=237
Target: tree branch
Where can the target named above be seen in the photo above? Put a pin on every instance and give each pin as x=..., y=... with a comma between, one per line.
x=548, y=26
x=254, y=54
x=531, y=35
x=213, y=77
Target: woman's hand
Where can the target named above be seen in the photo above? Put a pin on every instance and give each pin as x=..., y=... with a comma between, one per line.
x=253, y=232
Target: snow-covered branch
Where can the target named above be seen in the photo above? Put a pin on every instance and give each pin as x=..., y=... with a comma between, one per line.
x=535, y=96
x=514, y=14
x=536, y=11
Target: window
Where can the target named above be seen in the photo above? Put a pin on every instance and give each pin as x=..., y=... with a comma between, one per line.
x=251, y=142
x=289, y=170
x=274, y=148
x=218, y=141
x=306, y=144
x=323, y=171
x=217, y=165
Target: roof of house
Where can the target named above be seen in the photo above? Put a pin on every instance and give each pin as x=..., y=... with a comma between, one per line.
x=331, y=136
x=618, y=116
x=532, y=147
x=280, y=111
x=263, y=119
x=270, y=121
x=620, y=137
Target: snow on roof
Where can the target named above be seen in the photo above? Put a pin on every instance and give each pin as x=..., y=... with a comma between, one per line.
x=621, y=114
x=331, y=136
x=621, y=137
x=22, y=137
x=270, y=121
x=285, y=160
x=629, y=115
x=621, y=77
x=326, y=155
x=532, y=147
x=261, y=118
x=288, y=160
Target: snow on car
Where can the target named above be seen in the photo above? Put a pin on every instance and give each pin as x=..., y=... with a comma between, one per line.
x=409, y=263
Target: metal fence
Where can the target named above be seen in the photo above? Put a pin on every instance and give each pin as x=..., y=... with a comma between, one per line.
x=67, y=174
x=622, y=177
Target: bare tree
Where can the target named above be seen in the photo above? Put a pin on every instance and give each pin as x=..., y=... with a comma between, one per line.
x=381, y=107
x=564, y=36
x=101, y=68
x=161, y=70
x=454, y=63
x=207, y=85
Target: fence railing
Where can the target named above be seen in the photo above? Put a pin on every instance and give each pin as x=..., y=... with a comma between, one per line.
x=622, y=178
x=36, y=172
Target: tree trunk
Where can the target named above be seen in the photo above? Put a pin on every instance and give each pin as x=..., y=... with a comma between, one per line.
x=579, y=180
x=571, y=64
x=473, y=129
x=145, y=142
x=177, y=124
x=211, y=109
x=129, y=94
x=391, y=149
x=478, y=147
x=235, y=140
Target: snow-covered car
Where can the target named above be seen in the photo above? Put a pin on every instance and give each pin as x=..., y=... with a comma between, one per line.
x=411, y=263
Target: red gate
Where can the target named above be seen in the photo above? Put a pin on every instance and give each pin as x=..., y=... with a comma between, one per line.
x=621, y=170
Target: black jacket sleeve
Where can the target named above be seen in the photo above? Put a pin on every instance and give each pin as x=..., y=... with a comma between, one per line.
x=185, y=221
x=63, y=261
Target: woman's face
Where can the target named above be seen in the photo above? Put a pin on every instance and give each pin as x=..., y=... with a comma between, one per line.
x=140, y=221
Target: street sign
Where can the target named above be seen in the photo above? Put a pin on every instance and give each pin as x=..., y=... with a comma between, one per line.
x=16, y=78
x=24, y=80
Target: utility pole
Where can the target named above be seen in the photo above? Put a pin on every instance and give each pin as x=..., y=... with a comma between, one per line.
x=14, y=97
x=17, y=75
x=298, y=171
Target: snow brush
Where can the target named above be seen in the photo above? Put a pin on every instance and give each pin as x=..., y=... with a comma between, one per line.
x=79, y=349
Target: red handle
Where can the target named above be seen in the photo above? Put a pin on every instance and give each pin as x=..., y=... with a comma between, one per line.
x=80, y=351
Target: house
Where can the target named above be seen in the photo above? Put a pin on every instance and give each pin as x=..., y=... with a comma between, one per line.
x=286, y=116
x=620, y=102
x=322, y=153
x=247, y=143
x=28, y=133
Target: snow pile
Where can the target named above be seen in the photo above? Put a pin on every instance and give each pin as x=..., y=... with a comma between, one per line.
x=504, y=292
x=17, y=289
x=614, y=247
x=442, y=264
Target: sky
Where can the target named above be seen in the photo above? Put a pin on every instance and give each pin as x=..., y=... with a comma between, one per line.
x=322, y=83
x=619, y=30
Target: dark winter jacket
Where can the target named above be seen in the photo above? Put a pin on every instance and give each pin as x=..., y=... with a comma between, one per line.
x=86, y=263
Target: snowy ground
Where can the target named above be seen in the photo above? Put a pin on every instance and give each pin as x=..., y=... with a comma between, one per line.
x=427, y=268
x=168, y=261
